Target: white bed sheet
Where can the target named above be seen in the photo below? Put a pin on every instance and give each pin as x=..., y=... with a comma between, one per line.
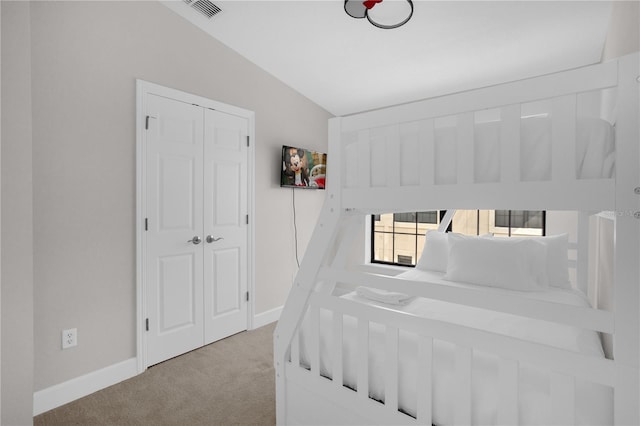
x=595, y=153
x=594, y=403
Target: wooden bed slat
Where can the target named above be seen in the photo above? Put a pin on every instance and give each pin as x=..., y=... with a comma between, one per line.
x=563, y=139
x=392, y=157
x=410, y=165
x=426, y=140
x=465, y=136
x=379, y=161
x=582, y=255
x=391, y=369
x=337, y=367
x=363, y=358
x=508, y=388
x=362, y=158
x=563, y=399
x=425, y=379
x=510, y=144
x=463, y=377
x=314, y=355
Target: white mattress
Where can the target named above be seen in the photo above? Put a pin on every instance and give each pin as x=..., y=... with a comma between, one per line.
x=595, y=153
x=594, y=403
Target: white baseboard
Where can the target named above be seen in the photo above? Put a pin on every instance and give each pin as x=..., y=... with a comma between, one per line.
x=267, y=317
x=63, y=393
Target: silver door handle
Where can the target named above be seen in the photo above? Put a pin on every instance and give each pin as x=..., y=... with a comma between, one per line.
x=212, y=239
x=195, y=240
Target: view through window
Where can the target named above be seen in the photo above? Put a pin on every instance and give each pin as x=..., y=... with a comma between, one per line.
x=398, y=238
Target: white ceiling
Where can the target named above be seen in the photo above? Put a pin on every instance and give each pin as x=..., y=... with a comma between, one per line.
x=347, y=65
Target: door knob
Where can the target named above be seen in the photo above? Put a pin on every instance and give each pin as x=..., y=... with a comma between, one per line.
x=212, y=239
x=195, y=240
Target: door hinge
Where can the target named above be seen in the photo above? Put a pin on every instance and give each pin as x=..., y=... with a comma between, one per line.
x=146, y=324
x=247, y=296
x=146, y=224
x=247, y=140
x=146, y=121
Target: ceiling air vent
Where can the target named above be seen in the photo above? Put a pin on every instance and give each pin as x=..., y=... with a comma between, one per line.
x=205, y=7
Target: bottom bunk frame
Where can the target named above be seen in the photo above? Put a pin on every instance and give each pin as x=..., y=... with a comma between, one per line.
x=307, y=396
x=313, y=398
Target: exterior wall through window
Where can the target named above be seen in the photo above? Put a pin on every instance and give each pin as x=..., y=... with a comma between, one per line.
x=398, y=238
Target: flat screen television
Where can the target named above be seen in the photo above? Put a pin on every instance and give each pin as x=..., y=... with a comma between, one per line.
x=303, y=168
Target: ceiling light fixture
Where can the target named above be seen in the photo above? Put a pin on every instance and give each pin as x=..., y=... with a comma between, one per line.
x=386, y=14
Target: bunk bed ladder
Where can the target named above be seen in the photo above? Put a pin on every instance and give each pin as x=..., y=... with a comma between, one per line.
x=322, y=242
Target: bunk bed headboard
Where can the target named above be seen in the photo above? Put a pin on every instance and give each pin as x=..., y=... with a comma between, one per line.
x=456, y=149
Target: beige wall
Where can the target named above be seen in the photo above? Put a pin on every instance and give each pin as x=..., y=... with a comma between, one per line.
x=85, y=59
x=624, y=35
x=17, y=224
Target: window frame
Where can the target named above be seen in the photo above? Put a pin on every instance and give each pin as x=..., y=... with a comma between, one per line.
x=440, y=215
x=372, y=234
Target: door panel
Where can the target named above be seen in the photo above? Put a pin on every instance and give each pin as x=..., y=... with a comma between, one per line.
x=227, y=202
x=225, y=210
x=176, y=177
x=176, y=291
x=226, y=295
x=174, y=212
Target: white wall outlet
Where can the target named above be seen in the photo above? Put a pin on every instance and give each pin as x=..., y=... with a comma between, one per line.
x=69, y=338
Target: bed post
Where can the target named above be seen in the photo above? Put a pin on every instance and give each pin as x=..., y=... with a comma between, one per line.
x=627, y=245
x=323, y=238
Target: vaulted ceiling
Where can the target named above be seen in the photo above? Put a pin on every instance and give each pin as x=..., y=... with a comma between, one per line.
x=347, y=65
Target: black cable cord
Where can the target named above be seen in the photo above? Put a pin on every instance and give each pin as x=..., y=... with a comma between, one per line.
x=295, y=226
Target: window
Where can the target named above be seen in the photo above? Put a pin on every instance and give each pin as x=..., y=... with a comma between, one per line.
x=500, y=223
x=519, y=222
x=398, y=238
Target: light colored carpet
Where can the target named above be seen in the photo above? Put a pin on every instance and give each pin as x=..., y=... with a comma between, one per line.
x=230, y=382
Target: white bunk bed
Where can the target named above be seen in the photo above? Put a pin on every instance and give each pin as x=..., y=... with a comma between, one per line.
x=526, y=145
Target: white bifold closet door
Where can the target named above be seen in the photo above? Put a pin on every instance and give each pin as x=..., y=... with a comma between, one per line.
x=196, y=257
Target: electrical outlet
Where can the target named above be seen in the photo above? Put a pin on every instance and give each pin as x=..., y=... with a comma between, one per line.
x=69, y=338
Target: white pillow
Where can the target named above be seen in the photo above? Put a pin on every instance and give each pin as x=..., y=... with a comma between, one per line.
x=557, y=262
x=435, y=252
x=516, y=264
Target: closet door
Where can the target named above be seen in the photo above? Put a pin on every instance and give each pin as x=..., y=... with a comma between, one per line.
x=225, y=225
x=174, y=258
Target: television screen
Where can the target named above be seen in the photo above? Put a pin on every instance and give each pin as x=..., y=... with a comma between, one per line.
x=302, y=168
